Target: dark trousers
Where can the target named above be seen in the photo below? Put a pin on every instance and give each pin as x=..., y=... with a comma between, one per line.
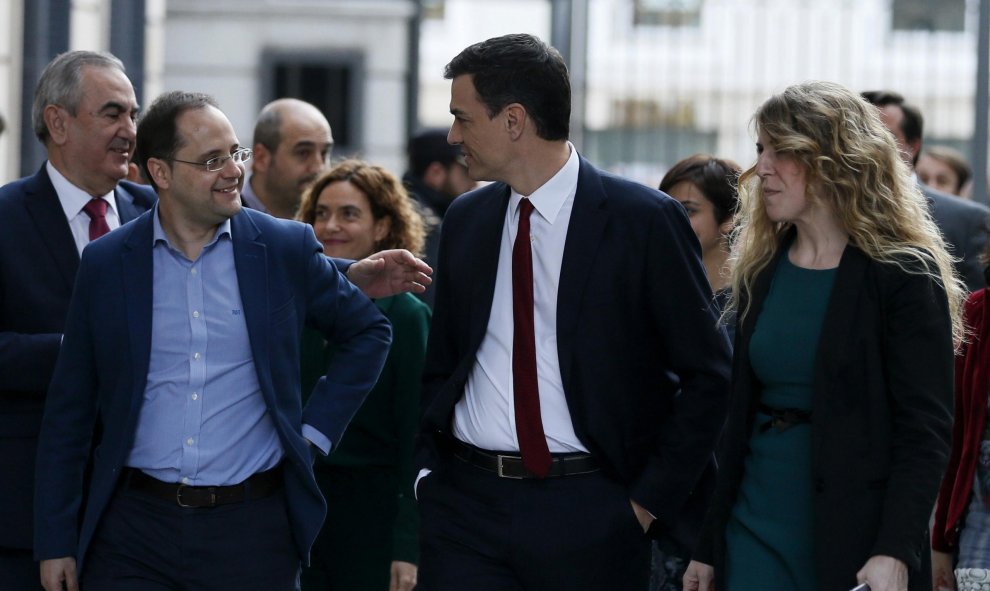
x=354, y=549
x=146, y=543
x=19, y=571
x=480, y=532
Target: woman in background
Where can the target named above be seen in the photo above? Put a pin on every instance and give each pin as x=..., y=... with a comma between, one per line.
x=370, y=537
x=961, y=531
x=840, y=416
x=706, y=187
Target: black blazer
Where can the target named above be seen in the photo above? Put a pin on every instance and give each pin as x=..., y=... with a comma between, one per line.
x=644, y=367
x=881, y=421
x=38, y=263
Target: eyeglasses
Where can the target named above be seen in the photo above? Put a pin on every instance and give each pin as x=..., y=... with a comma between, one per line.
x=216, y=164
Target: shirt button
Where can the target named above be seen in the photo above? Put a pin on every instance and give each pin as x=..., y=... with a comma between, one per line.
x=195, y=396
x=189, y=441
x=194, y=271
x=195, y=313
x=195, y=355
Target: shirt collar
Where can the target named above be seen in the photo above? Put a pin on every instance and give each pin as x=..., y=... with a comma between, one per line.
x=159, y=235
x=72, y=198
x=550, y=197
x=248, y=197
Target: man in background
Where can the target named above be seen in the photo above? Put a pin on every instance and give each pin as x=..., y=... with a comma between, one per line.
x=292, y=143
x=435, y=177
x=965, y=225
x=84, y=113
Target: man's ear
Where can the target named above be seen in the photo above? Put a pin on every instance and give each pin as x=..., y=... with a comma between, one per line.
x=160, y=172
x=57, y=122
x=516, y=120
x=261, y=159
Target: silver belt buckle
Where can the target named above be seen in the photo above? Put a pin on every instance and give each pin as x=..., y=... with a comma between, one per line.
x=501, y=471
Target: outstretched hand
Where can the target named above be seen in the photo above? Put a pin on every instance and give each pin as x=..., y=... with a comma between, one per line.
x=389, y=272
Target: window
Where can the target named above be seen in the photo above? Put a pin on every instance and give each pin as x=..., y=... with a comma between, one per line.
x=928, y=15
x=331, y=81
x=669, y=13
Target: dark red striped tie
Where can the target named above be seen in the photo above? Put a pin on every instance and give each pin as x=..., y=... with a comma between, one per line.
x=529, y=423
x=96, y=209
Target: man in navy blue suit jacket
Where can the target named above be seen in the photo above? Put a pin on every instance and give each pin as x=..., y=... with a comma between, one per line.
x=84, y=112
x=564, y=413
x=183, y=339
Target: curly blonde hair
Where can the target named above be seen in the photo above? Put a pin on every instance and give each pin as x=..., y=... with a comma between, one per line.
x=386, y=195
x=852, y=165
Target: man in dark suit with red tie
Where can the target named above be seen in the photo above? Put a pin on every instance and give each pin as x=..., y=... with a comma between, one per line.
x=84, y=112
x=576, y=379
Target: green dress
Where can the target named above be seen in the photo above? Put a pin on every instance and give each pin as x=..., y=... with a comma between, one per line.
x=770, y=534
x=367, y=479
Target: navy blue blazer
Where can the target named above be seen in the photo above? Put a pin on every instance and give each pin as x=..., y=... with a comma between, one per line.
x=285, y=282
x=38, y=262
x=645, y=367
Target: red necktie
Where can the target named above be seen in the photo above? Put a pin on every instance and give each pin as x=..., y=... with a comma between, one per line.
x=526, y=392
x=96, y=209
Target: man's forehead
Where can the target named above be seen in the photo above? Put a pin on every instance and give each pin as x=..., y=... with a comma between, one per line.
x=208, y=127
x=105, y=84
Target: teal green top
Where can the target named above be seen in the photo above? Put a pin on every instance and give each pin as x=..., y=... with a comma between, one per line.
x=383, y=431
x=770, y=535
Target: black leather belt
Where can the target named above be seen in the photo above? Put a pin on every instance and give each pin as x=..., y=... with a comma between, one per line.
x=783, y=419
x=258, y=486
x=511, y=466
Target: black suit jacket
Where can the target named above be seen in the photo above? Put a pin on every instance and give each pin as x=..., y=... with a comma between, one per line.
x=38, y=263
x=644, y=367
x=965, y=225
x=881, y=421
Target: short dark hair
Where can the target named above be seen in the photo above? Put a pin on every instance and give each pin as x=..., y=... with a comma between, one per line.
x=520, y=69
x=714, y=177
x=268, y=129
x=429, y=146
x=912, y=124
x=157, y=133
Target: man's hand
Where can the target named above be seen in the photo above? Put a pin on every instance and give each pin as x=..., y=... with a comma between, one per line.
x=56, y=571
x=884, y=573
x=389, y=272
x=403, y=576
x=699, y=577
x=942, y=577
x=644, y=517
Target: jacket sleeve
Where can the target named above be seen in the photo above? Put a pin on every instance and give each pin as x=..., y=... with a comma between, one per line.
x=918, y=368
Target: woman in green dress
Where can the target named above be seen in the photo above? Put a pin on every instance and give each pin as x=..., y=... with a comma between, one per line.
x=840, y=417
x=370, y=538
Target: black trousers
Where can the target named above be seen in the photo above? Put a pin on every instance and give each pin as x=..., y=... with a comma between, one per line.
x=145, y=543
x=480, y=532
x=19, y=571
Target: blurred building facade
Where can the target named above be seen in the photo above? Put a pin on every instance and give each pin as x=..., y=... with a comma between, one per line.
x=658, y=80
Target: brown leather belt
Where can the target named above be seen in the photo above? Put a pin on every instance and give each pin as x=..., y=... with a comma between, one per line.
x=258, y=486
x=511, y=466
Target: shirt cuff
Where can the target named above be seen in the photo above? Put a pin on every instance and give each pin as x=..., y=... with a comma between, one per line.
x=316, y=438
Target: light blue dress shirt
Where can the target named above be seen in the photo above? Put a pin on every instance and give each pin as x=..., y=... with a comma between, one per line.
x=203, y=420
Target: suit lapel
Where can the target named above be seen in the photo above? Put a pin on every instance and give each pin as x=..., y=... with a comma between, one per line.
x=484, y=246
x=137, y=270
x=46, y=210
x=589, y=216
x=126, y=210
x=251, y=264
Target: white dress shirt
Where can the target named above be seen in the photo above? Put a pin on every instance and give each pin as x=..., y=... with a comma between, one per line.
x=485, y=415
x=73, y=199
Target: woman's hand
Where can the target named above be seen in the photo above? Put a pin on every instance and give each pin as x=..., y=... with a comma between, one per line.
x=403, y=576
x=942, y=577
x=884, y=573
x=699, y=577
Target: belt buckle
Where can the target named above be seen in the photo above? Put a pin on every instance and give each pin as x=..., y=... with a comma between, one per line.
x=501, y=467
x=178, y=497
